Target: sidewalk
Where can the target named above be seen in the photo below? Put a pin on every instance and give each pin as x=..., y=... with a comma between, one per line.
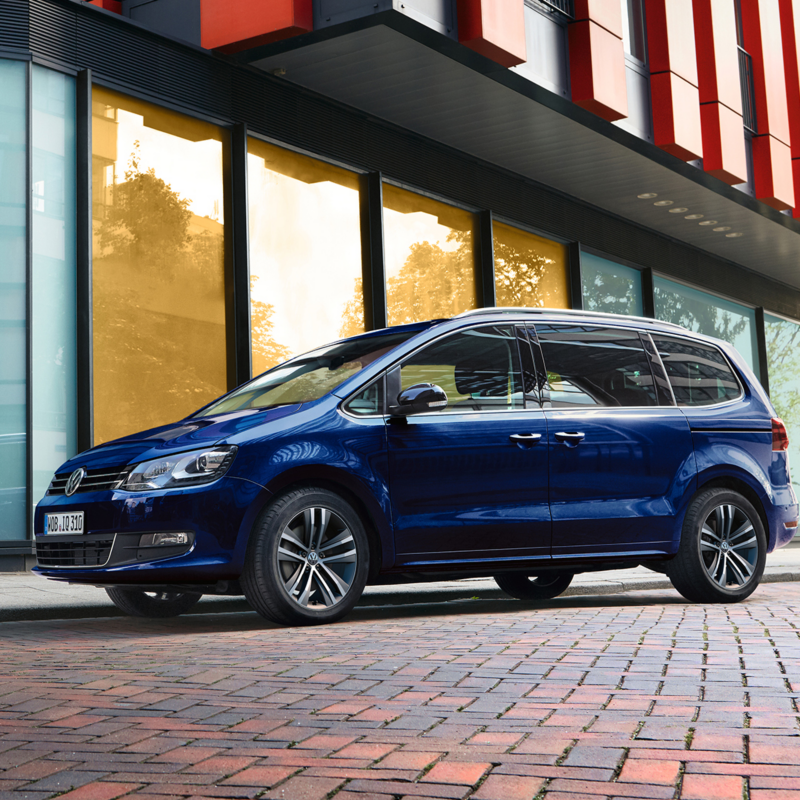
x=28, y=597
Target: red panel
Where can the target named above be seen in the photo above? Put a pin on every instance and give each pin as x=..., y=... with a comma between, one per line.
x=606, y=13
x=108, y=5
x=597, y=70
x=762, y=39
x=234, y=25
x=717, y=54
x=670, y=38
x=790, y=33
x=772, y=168
x=724, y=154
x=676, y=116
x=796, y=177
x=494, y=28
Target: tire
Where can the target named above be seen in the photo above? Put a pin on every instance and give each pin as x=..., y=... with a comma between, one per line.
x=157, y=604
x=723, y=549
x=286, y=578
x=544, y=586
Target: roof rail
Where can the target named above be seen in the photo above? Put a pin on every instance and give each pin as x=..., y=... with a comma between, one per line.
x=563, y=311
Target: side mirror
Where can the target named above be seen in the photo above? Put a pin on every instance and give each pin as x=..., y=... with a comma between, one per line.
x=419, y=398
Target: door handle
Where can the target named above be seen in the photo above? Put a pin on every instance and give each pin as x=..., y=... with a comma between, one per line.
x=525, y=440
x=570, y=439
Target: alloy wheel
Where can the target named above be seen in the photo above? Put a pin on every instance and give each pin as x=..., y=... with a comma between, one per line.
x=317, y=558
x=729, y=547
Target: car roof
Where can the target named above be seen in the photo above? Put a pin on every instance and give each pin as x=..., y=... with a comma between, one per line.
x=572, y=315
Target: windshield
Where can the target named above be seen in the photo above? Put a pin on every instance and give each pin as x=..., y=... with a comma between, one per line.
x=310, y=376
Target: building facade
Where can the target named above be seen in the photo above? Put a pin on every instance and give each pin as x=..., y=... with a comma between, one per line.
x=193, y=190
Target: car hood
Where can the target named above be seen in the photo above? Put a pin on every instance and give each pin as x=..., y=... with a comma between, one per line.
x=185, y=435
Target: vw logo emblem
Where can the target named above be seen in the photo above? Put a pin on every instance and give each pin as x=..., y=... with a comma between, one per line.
x=312, y=557
x=74, y=481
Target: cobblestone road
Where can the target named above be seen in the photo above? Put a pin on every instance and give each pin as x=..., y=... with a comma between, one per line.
x=637, y=696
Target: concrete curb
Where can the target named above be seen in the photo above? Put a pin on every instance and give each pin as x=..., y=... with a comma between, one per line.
x=415, y=596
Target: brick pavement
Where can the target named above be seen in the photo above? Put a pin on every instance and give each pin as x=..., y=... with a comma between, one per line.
x=638, y=696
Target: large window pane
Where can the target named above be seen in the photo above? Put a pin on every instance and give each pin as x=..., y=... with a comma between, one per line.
x=53, y=326
x=705, y=313
x=12, y=300
x=159, y=288
x=610, y=287
x=305, y=253
x=783, y=360
x=430, y=257
x=529, y=271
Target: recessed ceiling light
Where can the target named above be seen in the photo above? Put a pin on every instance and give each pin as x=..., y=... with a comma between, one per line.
x=663, y=202
x=722, y=228
x=678, y=210
x=733, y=235
x=694, y=216
x=709, y=222
x=647, y=196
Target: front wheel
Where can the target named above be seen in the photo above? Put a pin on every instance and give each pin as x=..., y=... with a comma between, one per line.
x=157, y=604
x=544, y=586
x=307, y=560
x=723, y=549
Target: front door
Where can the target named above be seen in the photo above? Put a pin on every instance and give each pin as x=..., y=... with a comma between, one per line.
x=621, y=456
x=470, y=482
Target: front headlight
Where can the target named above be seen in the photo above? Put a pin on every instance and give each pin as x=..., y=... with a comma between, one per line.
x=181, y=469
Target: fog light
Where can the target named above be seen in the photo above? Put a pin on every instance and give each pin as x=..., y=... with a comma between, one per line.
x=164, y=539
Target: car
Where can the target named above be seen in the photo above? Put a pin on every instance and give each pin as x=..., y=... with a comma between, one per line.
x=528, y=445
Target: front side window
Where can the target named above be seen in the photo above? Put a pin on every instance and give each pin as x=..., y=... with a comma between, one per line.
x=699, y=374
x=308, y=377
x=478, y=369
x=589, y=366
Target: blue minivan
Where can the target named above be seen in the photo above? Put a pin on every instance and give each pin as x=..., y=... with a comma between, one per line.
x=523, y=444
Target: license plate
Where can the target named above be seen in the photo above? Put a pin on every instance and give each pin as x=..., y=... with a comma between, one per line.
x=71, y=522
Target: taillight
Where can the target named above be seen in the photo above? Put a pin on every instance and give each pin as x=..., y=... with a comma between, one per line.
x=780, y=439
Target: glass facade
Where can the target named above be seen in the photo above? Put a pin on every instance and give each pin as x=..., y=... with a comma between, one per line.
x=529, y=271
x=429, y=248
x=160, y=333
x=783, y=360
x=610, y=287
x=53, y=289
x=13, y=347
x=305, y=253
x=708, y=314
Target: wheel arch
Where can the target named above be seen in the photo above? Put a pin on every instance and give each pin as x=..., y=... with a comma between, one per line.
x=738, y=484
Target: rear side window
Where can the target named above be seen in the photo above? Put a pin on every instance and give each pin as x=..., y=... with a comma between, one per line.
x=698, y=373
x=589, y=366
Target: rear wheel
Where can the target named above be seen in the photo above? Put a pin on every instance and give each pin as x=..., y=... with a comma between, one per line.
x=158, y=603
x=723, y=549
x=544, y=586
x=307, y=560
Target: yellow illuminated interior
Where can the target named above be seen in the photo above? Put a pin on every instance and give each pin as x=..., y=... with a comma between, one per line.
x=158, y=265
x=430, y=257
x=529, y=271
x=305, y=253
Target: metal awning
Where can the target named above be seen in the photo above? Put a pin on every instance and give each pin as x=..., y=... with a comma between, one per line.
x=399, y=70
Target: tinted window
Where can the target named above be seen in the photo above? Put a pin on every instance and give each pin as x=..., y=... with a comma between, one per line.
x=368, y=402
x=589, y=366
x=699, y=373
x=478, y=369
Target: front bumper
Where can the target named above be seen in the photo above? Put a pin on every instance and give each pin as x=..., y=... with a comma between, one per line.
x=217, y=516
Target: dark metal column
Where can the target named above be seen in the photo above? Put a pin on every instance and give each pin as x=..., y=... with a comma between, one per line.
x=761, y=342
x=372, y=252
x=648, y=294
x=241, y=256
x=83, y=213
x=485, y=260
x=575, y=285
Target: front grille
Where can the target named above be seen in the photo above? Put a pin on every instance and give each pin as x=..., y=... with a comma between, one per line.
x=95, y=480
x=73, y=552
